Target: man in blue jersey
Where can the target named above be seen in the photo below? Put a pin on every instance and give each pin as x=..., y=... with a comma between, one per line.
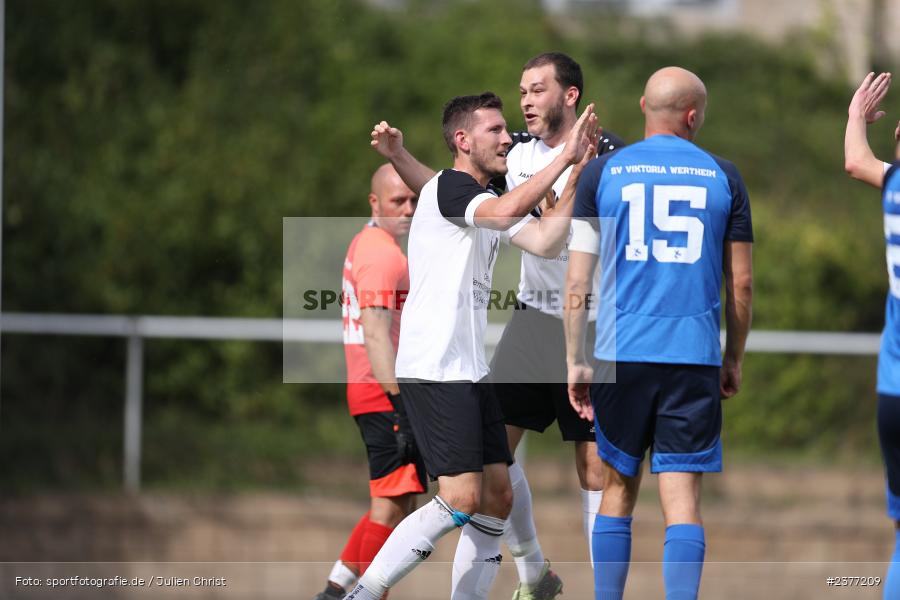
x=862, y=164
x=674, y=218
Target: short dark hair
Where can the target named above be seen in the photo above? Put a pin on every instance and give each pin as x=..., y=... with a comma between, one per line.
x=568, y=72
x=458, y=113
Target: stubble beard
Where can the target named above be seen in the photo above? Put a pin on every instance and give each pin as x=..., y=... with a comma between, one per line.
x=554, y=119
x=484, y=167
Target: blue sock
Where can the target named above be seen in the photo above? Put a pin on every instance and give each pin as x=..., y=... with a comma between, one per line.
x=683, y=561
x=611, y=541
x=892, y=581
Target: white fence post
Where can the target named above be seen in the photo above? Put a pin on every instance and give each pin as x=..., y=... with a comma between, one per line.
x=134, y=383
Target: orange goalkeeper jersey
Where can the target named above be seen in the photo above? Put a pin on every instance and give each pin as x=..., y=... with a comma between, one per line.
x=375, y=275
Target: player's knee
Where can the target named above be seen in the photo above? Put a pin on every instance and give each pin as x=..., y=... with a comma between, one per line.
x=590, y=476
x=498, y=501
x=505, y=501
x=591, y=482
x=614, y=484
x=465, y=501
x=619, y=496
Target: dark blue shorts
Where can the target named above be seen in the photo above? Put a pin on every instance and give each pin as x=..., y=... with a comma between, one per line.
x=674, y=410
x=889, y=434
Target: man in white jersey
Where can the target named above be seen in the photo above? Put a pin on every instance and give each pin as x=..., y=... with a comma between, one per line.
x=441, y=366
x=528, y=368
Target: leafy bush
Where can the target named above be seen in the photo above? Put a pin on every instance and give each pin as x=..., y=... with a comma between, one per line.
x=153, y=147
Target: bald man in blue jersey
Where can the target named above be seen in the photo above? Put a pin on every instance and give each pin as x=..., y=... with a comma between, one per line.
x=671, y=218
x=861, y=164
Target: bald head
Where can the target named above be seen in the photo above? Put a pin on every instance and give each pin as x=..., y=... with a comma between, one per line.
x=674, y=102
x=385, y=177
x=392, y=202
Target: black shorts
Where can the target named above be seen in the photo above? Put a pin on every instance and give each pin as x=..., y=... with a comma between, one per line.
x=458, y=425
x=889, y=435
x=529, y=375
x=391, y=473
x=674, y=409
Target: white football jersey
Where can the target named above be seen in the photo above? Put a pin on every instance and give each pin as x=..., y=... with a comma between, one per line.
x=542, y=281
x=451, y=264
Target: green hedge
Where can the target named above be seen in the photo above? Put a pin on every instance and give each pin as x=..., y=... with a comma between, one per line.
x=153, y=147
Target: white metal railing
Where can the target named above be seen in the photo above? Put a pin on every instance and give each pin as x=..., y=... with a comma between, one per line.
x=136, y=328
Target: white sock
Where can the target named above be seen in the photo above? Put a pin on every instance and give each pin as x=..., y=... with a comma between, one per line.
x=590, y=506
x=411, y=542
x=342, y=575
x=361, y=593
x=521, y=536
x=477, y=558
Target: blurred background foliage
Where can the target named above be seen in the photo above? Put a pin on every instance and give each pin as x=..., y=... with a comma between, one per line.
x=152, y=148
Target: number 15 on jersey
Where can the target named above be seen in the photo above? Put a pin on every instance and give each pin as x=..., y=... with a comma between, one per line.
x=635, y=195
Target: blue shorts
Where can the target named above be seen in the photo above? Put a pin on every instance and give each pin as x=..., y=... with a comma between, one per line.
x=889, y=435
x=674, y=410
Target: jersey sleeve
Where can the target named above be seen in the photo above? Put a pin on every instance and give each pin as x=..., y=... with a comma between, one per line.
x=740, y=223
x=585, y=218
x=380, y=272
x=459, y=195
x=891, y=171
x=609, y=142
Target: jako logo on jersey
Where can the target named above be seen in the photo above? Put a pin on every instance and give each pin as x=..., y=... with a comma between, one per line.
x=525, y=175
x=423, y=554
x=496, y=559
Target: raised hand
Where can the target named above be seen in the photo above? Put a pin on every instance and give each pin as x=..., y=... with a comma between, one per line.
x=591, y=150
x=387, y=140
x=869, y=95
x=583, y=133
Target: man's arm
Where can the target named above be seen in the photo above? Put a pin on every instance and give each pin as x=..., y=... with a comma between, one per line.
x=388, y=142
x=859, y=160
x=579, y=279
x=376, y=324
x=546, y=237
x=738, y=269
x=503, y=212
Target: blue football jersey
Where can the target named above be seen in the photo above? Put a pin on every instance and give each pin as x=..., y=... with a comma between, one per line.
x=889, y=357
x=666, y=207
